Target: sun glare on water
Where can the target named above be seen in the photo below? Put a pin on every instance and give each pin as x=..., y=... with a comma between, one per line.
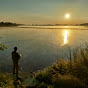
x=65, y=37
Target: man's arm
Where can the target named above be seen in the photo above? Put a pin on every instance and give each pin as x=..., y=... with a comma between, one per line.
x=20, y=56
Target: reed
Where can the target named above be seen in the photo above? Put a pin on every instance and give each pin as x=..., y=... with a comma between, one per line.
x=72, y=73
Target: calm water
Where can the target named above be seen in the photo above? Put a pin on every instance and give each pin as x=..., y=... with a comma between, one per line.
x=39, y=46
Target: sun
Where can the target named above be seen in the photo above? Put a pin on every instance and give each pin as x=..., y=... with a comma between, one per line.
x=67, y=16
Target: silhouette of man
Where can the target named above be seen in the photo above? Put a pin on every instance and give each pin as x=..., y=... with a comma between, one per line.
x=15, y=58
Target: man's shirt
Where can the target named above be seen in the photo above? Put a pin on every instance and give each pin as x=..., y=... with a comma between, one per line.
x=15, y=56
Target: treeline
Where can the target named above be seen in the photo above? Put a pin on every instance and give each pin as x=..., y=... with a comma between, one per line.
x=3, y=24
x=85, y=24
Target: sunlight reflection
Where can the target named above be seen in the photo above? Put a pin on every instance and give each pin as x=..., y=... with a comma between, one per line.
x=65, y=34
x=65, y=37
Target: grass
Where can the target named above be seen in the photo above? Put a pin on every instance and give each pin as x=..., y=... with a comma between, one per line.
x=6, y=81
x=71, y=73
x=66, y=73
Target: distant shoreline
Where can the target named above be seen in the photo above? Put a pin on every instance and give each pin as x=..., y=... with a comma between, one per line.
x=8, y=24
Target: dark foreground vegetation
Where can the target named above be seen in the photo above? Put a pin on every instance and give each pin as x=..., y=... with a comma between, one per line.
x=66, y=74
x=71, y=73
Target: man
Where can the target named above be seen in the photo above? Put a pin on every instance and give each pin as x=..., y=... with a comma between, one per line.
x=15, y=58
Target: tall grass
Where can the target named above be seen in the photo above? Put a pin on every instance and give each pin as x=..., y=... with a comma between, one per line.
x=72, y=73
x=6, y=81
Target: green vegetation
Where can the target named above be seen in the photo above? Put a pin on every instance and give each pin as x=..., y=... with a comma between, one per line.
x=6, y=81
x=72, y=73
x=65, y=73
x=2, y=47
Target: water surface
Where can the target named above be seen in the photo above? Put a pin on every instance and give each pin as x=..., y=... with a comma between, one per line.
x=40, y=46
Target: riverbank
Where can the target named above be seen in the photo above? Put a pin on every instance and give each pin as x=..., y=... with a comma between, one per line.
x=66, y=74
x=62, y=74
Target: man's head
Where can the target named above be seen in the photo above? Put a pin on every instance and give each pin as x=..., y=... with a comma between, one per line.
x=15, y=48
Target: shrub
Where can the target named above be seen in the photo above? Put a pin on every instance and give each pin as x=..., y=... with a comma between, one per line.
x=42, y=85
x=67, y=81
x=67, y=74
x=5, y=81
x=44, y=76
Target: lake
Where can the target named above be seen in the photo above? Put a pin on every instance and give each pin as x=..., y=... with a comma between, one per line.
x=40, y=46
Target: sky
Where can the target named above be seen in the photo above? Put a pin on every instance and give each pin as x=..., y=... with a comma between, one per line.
x=44, y=11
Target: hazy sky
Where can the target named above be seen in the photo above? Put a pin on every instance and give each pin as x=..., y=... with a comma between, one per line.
x=43, y=11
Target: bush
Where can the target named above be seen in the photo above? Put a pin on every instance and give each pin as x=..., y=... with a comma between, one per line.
x=5, y=81
x=67, y=74
x=44, y=76
x=42, y=85
x=67, y=81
